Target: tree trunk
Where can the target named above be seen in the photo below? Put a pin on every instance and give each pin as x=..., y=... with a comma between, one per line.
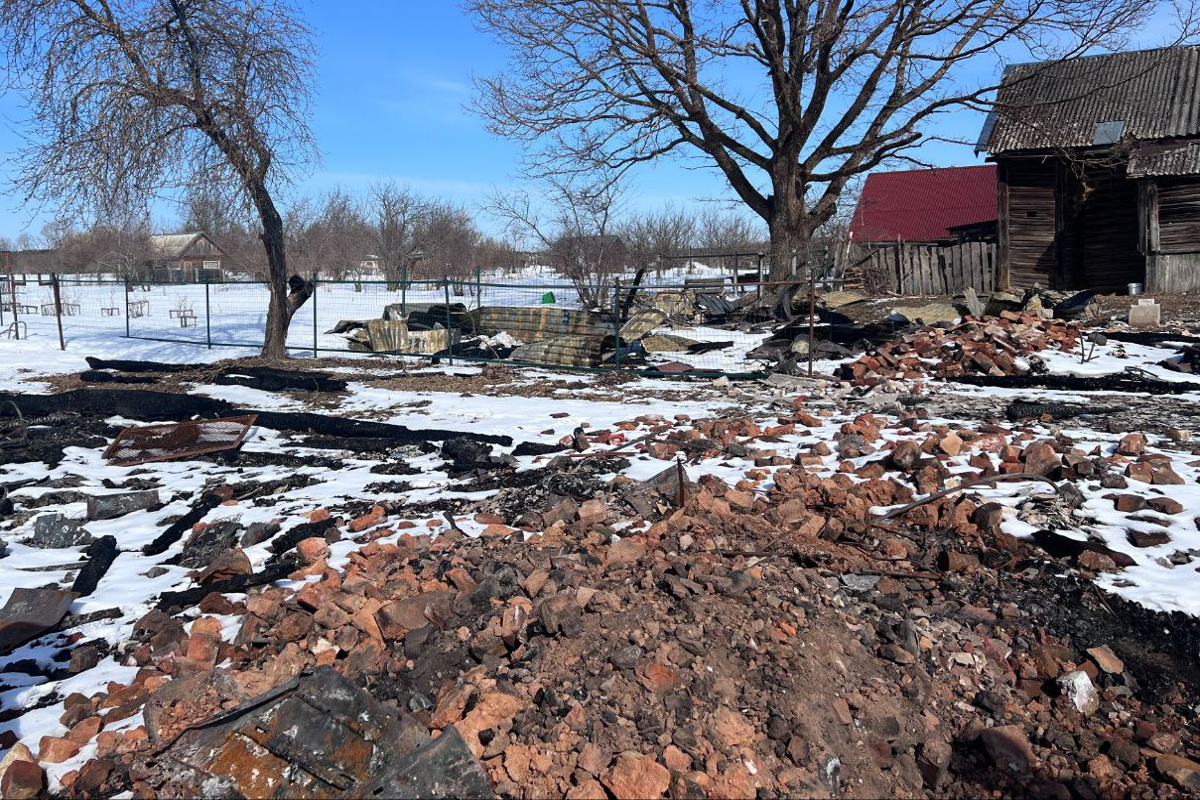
x=285, y=299
x=790, y=228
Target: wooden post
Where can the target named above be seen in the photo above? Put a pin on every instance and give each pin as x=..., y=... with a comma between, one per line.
x=449, y=332
x=208, y=315
x=1001, y=278
x=616, y=312
x=759, y=268
x=316, y=287
x=62, y=343
x=812, y=312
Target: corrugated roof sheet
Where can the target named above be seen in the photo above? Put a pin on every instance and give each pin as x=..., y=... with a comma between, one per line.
x=1155, y=93
x=1182, y=158
x=920, y=205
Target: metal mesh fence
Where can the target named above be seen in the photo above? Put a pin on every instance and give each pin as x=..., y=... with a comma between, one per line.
x=710, y=324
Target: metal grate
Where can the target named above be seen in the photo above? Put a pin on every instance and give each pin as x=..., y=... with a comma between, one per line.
x=177, y=440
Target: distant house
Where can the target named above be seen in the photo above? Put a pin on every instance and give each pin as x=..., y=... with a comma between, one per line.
x=943, y=205
x=1099, y=171
x=185, y=257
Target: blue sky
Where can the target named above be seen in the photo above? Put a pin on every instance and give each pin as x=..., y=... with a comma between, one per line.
x=393, y=81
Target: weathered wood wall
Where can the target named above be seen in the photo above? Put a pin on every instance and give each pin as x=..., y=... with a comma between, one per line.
x=1173, y=272
x=1028, y=220
x=915, y=268
x=1178, y=215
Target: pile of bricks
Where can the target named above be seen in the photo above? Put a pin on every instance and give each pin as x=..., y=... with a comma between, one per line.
x=978, y=346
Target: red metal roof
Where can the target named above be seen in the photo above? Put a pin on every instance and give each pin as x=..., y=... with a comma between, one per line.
x=919, y=205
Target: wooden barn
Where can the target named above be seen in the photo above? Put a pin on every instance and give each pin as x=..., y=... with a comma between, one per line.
x=1098, y=164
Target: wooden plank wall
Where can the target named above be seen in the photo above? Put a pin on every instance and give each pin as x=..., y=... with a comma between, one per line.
x=1031, y=220
x=1178, y=215
x=933, y=269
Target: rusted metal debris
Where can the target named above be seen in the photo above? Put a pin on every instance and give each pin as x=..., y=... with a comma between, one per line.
x=139, y=445
x=314, y=737
x=443, y=767
x=29, y=613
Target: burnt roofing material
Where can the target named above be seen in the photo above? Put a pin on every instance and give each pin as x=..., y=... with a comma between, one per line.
x=1097, y=100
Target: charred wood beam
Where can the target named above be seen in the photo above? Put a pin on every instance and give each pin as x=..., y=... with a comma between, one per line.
x=101, y=553
x=1117, y=382
x=122, y=365
x=174, y=602
x=1026, y=409
x=182, y=525
x=170, y=407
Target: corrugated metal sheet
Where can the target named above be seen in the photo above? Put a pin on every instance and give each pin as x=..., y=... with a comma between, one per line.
x=564, y=351
x=1155, y=93
x=918, y=205
x=537, y=323
x=1178, y=159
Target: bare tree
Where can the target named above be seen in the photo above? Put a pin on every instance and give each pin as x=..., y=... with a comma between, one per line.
x=651, y=236
x=395, y=213
x=446, y=236
x=578, y=234
x=116, y=247
x=498, y=255
x=725, y=231
x=338, y=238
x=845, y=86
x=143, y=95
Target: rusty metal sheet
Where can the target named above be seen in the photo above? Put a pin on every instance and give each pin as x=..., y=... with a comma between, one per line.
x=443, y=767
x=138, y=445
x=314, y=737
x=29, y=613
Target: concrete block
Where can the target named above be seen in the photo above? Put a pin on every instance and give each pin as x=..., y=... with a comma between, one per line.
x=1145, y=314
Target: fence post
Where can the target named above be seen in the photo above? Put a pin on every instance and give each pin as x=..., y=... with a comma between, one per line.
x=62, y=343
x=449, y=329
x=207, y=315
x=812, y=311
x=758, y=267
x=617, y=324
x=404, y=290
x=478, y=287
x=316, y=286
x=126, y=306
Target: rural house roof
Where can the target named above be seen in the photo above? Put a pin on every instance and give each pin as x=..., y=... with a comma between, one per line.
x=920, y=205
x=1096, y=100
x=1154, y=159
x=176, y=245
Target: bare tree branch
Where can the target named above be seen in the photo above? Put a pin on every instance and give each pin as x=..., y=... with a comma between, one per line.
x=842, y=86
x=131, y=98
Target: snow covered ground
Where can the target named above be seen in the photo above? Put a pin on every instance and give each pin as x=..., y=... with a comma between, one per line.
x=136, y=579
